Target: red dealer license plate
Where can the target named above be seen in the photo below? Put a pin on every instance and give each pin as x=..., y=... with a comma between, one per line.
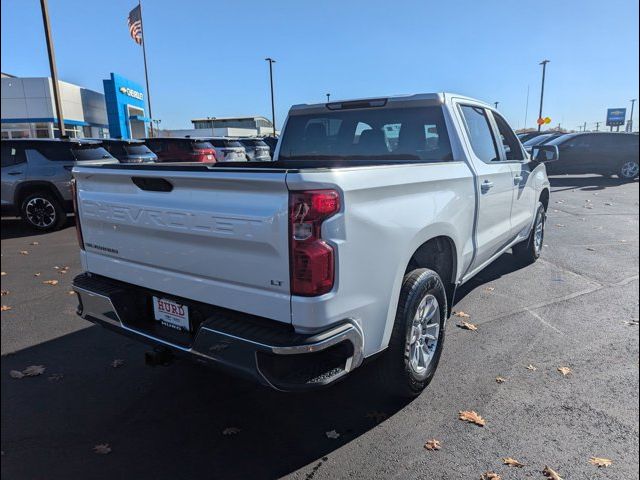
x=171, y=314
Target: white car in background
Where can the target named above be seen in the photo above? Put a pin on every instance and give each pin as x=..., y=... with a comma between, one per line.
x=257, y=149
x=228, y=149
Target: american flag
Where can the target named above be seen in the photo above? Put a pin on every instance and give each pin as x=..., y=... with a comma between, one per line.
x=135, y=25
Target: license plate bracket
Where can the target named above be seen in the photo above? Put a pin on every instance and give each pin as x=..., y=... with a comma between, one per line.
x=171, y=314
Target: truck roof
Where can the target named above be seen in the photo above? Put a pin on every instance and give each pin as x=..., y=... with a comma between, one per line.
x=418, y=98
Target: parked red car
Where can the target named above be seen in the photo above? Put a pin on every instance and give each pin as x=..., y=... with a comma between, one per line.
x=181, y=149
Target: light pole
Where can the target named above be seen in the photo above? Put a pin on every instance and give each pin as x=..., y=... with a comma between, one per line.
x=544, y=71
x=598, y=126
x=496, y=104
x=157, y=122
x=52, y=66
x=633, y=101
x=328, y=97
x=273, y=107
x=212, y=119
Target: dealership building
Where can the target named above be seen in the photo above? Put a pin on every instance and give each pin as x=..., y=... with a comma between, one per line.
x=28, y=111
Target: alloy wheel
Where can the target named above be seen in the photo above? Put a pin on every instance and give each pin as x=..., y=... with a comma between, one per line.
x=40, y=212
x=424, y=335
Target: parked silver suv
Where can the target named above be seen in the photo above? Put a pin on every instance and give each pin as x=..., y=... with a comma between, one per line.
x=36, y=177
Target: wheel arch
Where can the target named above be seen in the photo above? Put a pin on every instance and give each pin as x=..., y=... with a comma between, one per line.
x=33, y=186
x=440, y=254
x=545, y=195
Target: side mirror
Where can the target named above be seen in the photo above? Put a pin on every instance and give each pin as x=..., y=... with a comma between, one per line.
x=545, y=153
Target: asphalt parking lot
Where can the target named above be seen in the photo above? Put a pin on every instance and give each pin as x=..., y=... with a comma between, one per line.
x=577, y=307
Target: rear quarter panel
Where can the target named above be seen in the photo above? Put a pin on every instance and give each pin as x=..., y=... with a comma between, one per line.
x=387, y=212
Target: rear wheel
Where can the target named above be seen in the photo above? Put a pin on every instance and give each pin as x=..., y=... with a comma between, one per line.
x=410, y=361
x=629, y=170
x=43, y=211
x=529, y=251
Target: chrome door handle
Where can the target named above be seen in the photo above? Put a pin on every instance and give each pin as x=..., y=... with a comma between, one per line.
x=15, y=173
x=517, y=179
x=486, y=186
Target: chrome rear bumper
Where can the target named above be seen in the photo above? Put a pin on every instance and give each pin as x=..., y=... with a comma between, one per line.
x=283, y=360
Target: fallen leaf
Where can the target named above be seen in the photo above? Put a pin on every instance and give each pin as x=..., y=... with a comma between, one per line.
x=565, y=371
x=34, y=243
x=560, y=225
x=489, y=289
x=591, y=249
x=117, y=363
x=71, y=292
x=532, y=368
x=332, y=434
x=600, y=462
x=500, y=379
x=54, y=377
x=102, y=449
x=490, y=476
x=512, y=462
x=471, y=417
x=461, y=315
x=433, y=444
x=231, y=431
x=24, y=252
x=34, y=370
x=377, y=416
x=4, y=292
x=37, y=274
x=608, y=204
x=16, y=374
x=50, y=282
x=551, y=474
x=468, y=326
x=5, y=308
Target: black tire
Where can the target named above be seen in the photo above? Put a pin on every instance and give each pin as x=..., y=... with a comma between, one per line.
x=529, y=251
x=629, y=170
x=394, y=372
x=43, y=211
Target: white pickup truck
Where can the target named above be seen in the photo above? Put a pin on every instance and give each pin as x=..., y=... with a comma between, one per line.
x=348, y=246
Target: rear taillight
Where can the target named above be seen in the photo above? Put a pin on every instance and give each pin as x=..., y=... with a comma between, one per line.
x=312, y=262
x=76, y=211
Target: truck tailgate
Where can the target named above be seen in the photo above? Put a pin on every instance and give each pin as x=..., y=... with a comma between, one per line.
x=218, y=237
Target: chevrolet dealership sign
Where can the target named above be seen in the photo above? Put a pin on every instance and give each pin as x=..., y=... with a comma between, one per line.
x=616, y=116
x=131, y=93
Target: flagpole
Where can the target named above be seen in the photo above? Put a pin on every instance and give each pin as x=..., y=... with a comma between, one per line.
x=146, y=75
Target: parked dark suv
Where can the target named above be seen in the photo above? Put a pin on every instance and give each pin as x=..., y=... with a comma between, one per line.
x=36, y=177
x=129, y=151
x=598, y=152
x=181, y=149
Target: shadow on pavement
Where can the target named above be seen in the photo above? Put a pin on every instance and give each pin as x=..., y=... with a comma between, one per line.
x=166, y=422
x=14, y=227
x=503, y=265
x=583, y=182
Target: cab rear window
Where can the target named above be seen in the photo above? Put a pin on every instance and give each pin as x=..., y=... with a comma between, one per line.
x=413, y=134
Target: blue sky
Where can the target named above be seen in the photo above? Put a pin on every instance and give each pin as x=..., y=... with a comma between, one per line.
x=207, y=57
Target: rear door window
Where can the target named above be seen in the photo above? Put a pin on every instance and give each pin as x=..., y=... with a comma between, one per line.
x=480, y=135
x=12, y=154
